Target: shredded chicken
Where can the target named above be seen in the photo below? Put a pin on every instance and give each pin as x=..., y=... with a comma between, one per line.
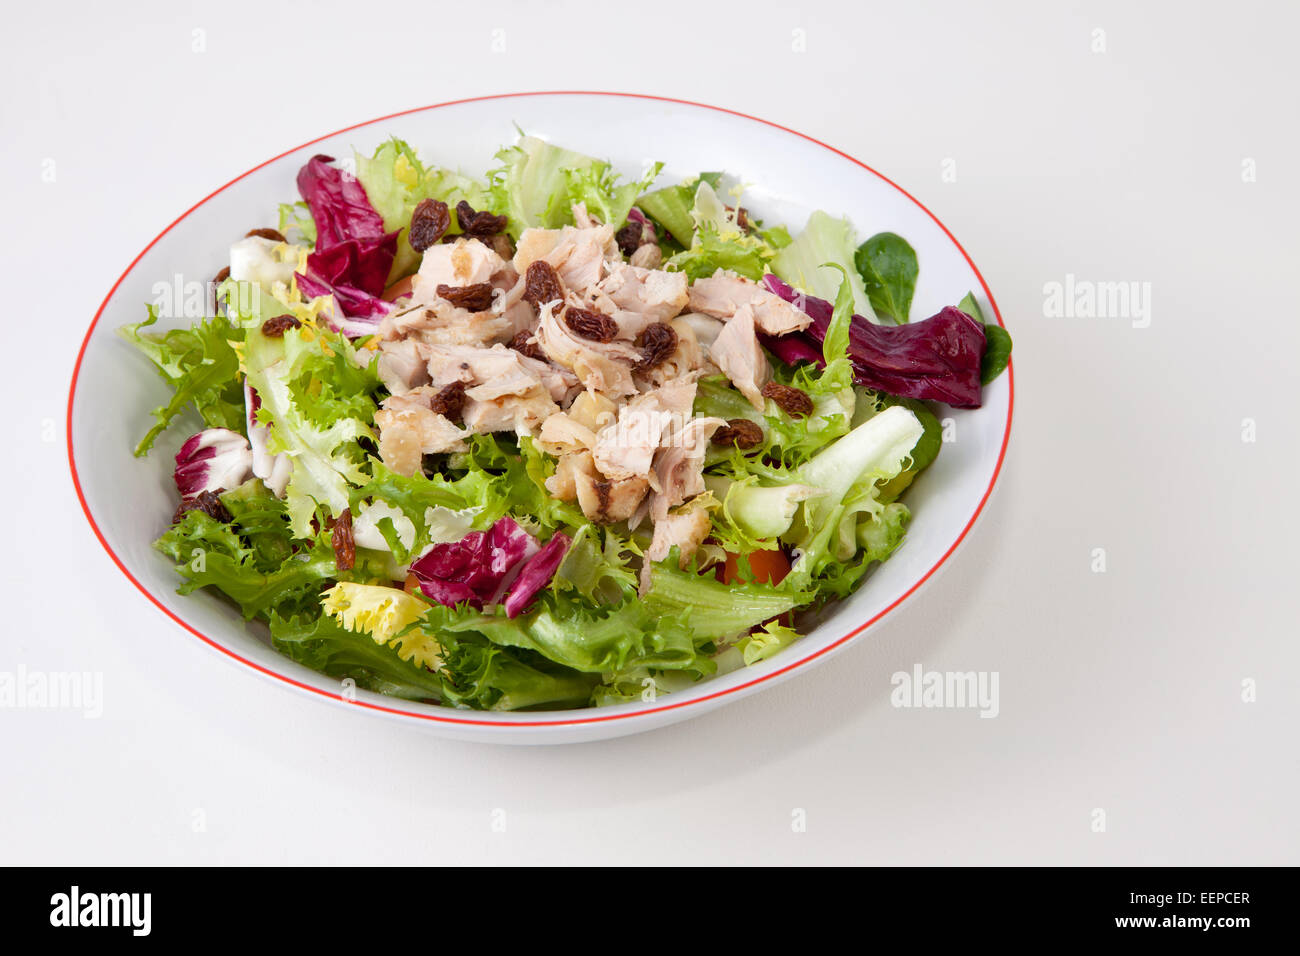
x=600, y=366
x=409, y=430
x=577, y=255
x=737, y=352
x=685, y=531
x=460, y=263
x=723, y=293
x=617, y=415
x=678, y=471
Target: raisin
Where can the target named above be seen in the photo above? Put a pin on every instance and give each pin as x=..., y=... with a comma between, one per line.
x=542, y=284
x=478, y=223
x=629, y=237
x=740, y=432
x=276, y=327
x=273, y=234
x=591, y=325
x=217, y=279
x=522, y=344
x=345, y=548
x=206, y=501
x=429, y=222
x=656, y=343
x=474, y=298
x=449, y=401
x=791, y=400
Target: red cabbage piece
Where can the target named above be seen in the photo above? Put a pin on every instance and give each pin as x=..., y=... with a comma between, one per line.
x=216, y=459
x=536, y=574
x=353, y=254
x=937, y=358
x=479, y=568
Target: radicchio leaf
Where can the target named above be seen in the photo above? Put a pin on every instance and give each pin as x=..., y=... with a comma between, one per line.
x=216, y=459
x=937, y=358
x=479, y=568
x=353, y=254
x=537, y=574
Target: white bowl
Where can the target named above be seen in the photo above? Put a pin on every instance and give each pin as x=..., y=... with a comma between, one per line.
x=128, y=501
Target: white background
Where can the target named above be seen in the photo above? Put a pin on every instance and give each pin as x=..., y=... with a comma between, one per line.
x=1120, y=690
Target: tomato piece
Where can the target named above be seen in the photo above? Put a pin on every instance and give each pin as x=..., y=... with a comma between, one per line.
x=768, y=567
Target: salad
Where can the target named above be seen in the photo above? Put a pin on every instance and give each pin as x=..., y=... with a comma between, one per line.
x=548, y=439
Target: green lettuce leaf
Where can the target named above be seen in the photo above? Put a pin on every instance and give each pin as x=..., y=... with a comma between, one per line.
x=718, y=241
x=671, y=206
x=396, y=181
x=717, y=611
x=824, y=240
x=324, y=645
x=597, y=186
x=763, y=643
x=201, y=366
x=317, y=411
x=537, y=184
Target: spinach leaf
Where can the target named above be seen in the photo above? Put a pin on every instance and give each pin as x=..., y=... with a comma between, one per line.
x=997, y=341
x=888, y=267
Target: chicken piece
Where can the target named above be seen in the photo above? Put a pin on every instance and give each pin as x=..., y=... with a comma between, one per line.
x=583, y=219
x=562, y=434
x=409, y=430
x=579, y=256
x=601, y=499
x=608, y=500
x=522, y=414
x=460, y=263
x=736, y=351
x=686, y=359
x=593, y=410
x=492, y=372
x=513, y=308
x=678, y=471
x=442, y=323
x=685, y=531
x=647, y=256
x=652, y=293
x=627, y=447
x=559, y=382
x=723, y=293
x=401, y=367
x=563, y=484
x=601, y=367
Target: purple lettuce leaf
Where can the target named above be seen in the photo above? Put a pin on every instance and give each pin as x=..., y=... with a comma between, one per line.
x=353, y=254
x=360, y=313
x=536, y=574
x=339, y=204
x=479, y=568
x=216, y=459
x=937, y=358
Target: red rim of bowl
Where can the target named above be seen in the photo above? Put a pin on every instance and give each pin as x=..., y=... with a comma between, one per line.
x=508, y=722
